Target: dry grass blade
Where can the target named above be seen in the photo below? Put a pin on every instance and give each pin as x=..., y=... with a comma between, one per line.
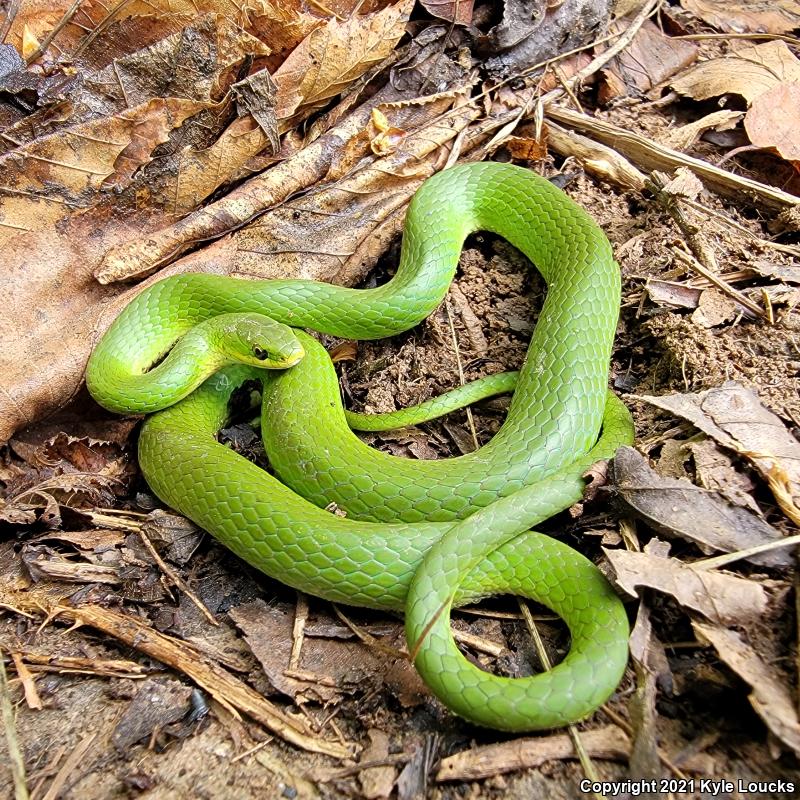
x=15, y=758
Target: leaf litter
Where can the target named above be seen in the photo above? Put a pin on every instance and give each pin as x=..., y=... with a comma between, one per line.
x=128, y=147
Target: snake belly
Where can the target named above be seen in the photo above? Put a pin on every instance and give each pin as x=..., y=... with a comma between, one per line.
x=418, y=537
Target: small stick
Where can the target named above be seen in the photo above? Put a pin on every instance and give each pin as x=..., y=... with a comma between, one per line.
x=586, y=762
x=45, y=43
x=175, y=578
x=298, y=631
x=690, y=261
x=10, y=727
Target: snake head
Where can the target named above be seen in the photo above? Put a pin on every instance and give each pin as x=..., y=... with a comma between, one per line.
x=257, y=340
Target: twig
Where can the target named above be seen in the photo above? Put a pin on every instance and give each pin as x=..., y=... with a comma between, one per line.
x=298, y=630
x=598, y=62
x=729, y=558
x=73, y=760
x=175, y=578
x=650, y=155
x=230, y=691
x=586, y=762
x=691, y=262
x=45, y=43
x=461, y=380
x=10, y=728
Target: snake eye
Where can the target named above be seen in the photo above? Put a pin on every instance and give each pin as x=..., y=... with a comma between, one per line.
x=261, y=355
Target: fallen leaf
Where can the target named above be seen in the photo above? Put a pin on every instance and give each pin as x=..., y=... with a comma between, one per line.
x=457, y=11
x=714, y=308
x=683, y=137
x=647, y=61
x=770, y=697
x=734, y=416
x=773, y=120
x=718, y=596
x=157, y=703
x=331, y=57
x=676, y=507
x=745, y=16
x=57, y=174
x=376, y=782
x=647, y=652
x=750, y=70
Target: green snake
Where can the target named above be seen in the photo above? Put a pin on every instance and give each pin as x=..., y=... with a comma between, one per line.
x=417, y=536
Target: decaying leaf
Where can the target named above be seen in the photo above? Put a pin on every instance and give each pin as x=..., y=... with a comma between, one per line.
x=650, y=59
x=734, y=416
x=328, y=668
x=718, y=596
x=330, y=58
x=770, y=698
x=457, y=11
x=157, y=703
x=679, y=508
x=56, y=174
x=746, y=16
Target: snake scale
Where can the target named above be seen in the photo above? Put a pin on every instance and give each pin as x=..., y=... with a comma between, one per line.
x=419, y=537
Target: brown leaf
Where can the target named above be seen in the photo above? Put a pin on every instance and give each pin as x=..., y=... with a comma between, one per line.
x=773, y=120
x=719, y=596
x=377, y=782
x=52, y=176
x=770, y=697
x=648, y=60
x=749, y=71
x=457, y=11
x=734, y=416
x=340, y=667
x=745, y=16
x=330, y=58
x=679, y=508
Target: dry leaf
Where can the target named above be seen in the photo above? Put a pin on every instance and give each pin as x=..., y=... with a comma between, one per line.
x=746, y=16
x=773, y=120
x=679, y=508
x=647, y=61
x=54, y=175
x=457, y=11
x=330, y=58
x=718, y=596
x=749, y=71
x=770, y=697
x=684, y=136
x=734, y=416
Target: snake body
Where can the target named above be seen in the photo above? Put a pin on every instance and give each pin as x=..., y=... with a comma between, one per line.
x=423, y=536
